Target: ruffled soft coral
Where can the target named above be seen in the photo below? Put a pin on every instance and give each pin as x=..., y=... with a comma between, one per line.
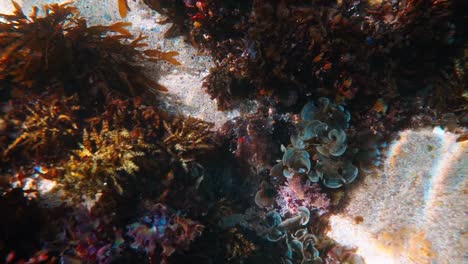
x=320, y=148
x=300, y=243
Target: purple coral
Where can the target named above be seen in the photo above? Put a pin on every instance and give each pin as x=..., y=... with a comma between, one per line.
x=170, y=231
x=296, y=194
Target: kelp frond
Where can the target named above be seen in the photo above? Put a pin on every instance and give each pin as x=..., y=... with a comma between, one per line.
x=123, y=7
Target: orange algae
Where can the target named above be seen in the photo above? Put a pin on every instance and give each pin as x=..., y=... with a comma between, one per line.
x=123, y=8
x=413, y=241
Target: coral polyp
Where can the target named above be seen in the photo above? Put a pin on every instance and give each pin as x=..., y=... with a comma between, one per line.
x=188, y=138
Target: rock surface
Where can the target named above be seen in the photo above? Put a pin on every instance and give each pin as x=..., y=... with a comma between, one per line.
x=414, y=210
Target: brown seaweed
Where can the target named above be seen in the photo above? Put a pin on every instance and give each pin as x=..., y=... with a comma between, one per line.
x=38, y=123
x=188, y=138
x=123, y=7
x=105, y=158
x=62, y=52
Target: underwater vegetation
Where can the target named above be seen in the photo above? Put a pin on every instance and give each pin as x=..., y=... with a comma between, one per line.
x=32, y=126
x=163, y=232
x=105, y=157
x=59, y=51
x=188, y=138
x=132, y=182
x=345, y=50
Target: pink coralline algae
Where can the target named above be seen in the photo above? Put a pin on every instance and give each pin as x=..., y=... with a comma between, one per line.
x=296, y=194
x=91, y=240
x=167, y=230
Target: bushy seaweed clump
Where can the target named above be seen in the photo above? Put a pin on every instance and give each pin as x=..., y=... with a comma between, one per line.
x=340, y=49
x=188, y=138
x=133, y=115
x=31, y=127
x=67, y=121
x=104, y=157
x=59, y=51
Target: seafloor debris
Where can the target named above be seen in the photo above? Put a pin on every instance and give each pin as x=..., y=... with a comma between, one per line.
x=318, y=151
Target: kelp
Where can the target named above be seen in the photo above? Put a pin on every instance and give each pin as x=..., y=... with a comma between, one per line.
x=123, y=7
x=346, y=50
x=176, y=14
x=62, y=52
